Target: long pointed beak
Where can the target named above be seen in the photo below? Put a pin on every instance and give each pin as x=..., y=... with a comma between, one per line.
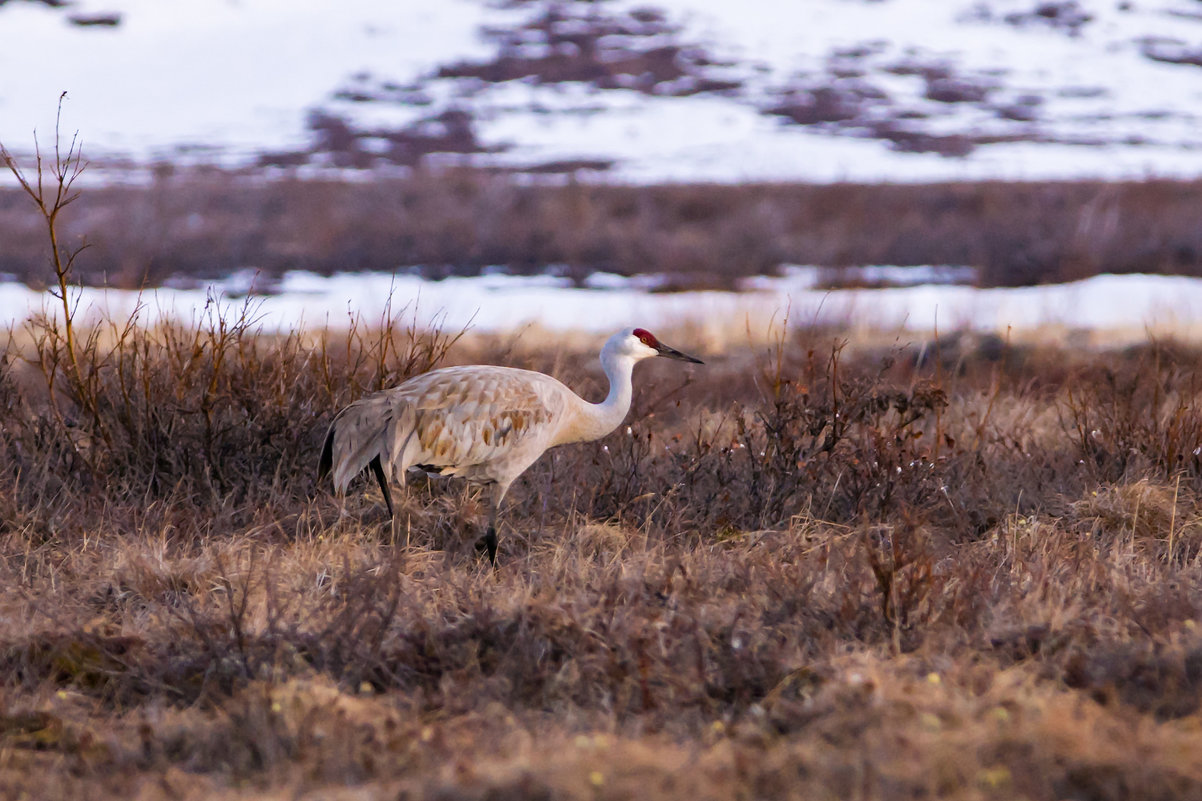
x=672, y=353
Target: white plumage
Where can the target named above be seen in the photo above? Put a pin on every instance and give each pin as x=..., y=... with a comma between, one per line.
x=481, y=422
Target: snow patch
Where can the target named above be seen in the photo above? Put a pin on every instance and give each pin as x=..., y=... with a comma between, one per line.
x=500, y=303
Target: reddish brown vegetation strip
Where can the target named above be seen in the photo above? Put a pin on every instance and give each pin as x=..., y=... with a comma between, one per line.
x=208, y=224
x=805, y=572
x=637, y=50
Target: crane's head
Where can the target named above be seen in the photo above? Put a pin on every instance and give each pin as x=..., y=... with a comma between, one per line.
x=640, y=343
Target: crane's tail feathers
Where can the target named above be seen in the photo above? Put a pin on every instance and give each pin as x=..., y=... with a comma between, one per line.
x=370, y=433
x=327, y=456
x=357, y=436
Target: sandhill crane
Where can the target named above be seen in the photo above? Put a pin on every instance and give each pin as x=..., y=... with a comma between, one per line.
x=484, y=423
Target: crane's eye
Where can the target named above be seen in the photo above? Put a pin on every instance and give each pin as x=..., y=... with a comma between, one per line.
x=646, y=337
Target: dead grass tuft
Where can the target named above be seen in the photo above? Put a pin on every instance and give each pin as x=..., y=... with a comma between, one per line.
x=1148, y=514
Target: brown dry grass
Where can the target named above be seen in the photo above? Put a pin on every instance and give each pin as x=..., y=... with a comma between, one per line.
x=804, y=571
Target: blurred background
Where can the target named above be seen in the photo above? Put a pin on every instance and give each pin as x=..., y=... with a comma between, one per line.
x=775, y=151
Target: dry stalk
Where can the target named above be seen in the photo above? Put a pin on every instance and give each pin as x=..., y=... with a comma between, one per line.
x=51, y=201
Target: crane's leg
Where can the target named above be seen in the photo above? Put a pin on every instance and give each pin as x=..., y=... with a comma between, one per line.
x=489, y=540
x=378, y=470
x=490, y=536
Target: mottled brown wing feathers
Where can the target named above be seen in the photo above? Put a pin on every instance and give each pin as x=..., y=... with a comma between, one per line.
x=481, y=422
x=465, y=418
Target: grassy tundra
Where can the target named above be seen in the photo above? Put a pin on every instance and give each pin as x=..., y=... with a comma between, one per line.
x=814, y=570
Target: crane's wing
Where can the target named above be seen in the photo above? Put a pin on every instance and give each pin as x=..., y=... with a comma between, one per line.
x=473, y=421
x=481, y=422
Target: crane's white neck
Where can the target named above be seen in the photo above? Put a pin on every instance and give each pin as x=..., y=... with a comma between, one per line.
x=601, y=418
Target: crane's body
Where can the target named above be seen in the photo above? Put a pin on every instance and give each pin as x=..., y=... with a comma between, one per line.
x=484, y=423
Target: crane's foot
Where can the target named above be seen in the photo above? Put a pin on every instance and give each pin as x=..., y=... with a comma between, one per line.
x=489, y=543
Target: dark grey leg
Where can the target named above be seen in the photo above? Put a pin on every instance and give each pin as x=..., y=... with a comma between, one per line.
x=490, y=542
x=378, y=470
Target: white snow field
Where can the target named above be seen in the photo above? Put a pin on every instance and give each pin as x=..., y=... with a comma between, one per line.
x=1134, y=304
x=1097, y=88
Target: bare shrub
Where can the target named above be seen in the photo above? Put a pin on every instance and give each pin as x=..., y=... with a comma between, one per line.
x=1141, y=413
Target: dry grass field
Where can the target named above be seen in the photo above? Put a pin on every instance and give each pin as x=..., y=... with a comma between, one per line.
x=812, y=568
x=809, y=569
